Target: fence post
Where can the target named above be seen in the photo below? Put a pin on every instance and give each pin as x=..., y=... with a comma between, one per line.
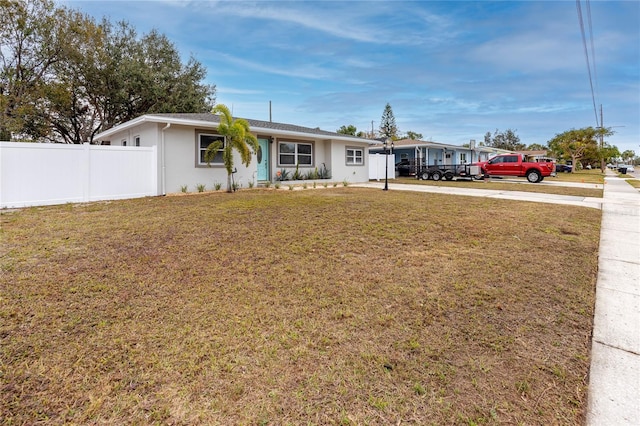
x=86, y=172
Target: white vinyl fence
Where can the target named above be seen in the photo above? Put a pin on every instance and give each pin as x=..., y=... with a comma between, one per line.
x=36, y=174
x=377, y=169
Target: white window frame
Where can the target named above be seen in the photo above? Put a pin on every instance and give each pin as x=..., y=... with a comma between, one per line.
x=352, y=157
x=136, y=140
x=463, y=157
x=123, y=142
x=200, y=149
x=296, y=154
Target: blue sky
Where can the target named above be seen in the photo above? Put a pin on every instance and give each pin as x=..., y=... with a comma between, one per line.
x=451, y=70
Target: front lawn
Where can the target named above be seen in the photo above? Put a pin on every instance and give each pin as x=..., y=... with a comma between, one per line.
x=583, y=176
x=325, y=306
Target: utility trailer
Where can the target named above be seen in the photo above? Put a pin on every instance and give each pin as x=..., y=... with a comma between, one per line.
x=447, y=172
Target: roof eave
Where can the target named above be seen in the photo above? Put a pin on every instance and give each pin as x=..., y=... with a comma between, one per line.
x=206, y=124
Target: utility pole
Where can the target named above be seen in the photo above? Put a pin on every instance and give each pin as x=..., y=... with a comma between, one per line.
x=602, y=163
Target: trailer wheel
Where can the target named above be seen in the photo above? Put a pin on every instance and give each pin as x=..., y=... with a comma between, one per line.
x=436, y=176
x=534, y=176
x=448, y=176
x=425, y=176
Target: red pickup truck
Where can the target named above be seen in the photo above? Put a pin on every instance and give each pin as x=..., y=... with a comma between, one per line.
x=516, y=165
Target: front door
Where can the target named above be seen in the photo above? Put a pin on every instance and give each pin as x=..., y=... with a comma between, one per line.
x=447, y=158
x=263, y=159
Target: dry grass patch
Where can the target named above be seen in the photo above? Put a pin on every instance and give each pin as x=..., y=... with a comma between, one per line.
x=634, y=182
x=584, y=176
x=341, y=306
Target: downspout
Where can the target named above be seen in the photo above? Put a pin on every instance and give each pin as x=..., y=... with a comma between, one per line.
x=163, y=176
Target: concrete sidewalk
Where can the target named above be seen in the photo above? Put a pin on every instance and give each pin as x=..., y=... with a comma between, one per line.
x=614, y=378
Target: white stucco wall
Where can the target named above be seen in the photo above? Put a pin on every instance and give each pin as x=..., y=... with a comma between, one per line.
x=182, y=168
x=332, y=154
x=340, y=171
x=178, y=162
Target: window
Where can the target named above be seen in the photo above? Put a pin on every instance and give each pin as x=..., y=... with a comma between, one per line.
x=511, y=159
x=136, y=140
x=124, y=142
x=463, y=157
x=294, y=153
x=355, y=156
x=204, y=140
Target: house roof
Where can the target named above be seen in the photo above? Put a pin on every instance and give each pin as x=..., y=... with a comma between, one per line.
x=533, y=152
x=410, y=143
x=212, y=120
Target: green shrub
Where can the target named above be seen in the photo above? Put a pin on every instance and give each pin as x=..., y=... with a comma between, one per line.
x=297, y=175
x=324, y=173
x=282, y=174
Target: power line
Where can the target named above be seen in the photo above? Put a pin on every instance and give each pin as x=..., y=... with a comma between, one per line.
x=593, y=54
x=586, y=53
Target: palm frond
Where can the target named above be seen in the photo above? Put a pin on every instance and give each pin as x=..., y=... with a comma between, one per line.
x=212, y=151
x=238, y=136
x=224, y=113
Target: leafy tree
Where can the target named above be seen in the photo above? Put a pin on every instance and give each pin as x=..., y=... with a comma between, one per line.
x=627, y=155
x=31, y=41
x=537, y=147
x=351, y=130
x=347, y=130
x=576, y=143
x=237, y=137
x=504, y=140
x=129, y=77
x=388, y=128
x=413, y=136
x=68, y=108
x=64, y=77
x=609, y=153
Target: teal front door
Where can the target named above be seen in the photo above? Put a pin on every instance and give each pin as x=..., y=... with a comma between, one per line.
x=263, y=159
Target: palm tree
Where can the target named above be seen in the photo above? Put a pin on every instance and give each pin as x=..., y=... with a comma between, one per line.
x=237, y=136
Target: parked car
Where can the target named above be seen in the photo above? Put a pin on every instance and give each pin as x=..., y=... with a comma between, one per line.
x=626, y=168
x=564, y=168
x=405, y=168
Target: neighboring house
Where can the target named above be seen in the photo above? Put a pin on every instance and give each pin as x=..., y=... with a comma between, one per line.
x=182, y=139
x=435, y=153
x=535, y=155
